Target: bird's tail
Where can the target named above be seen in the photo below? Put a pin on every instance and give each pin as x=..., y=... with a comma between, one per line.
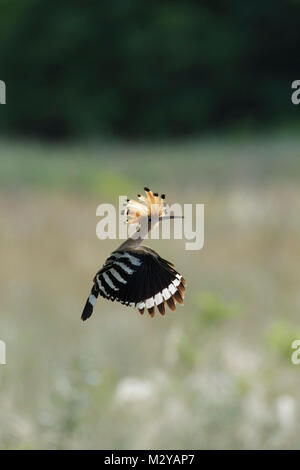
x=89, y=306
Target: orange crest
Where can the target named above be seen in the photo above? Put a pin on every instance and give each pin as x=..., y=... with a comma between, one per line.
x=149, y=207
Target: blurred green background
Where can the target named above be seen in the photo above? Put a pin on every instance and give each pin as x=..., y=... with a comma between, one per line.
x=191, y=99
x=127, y=68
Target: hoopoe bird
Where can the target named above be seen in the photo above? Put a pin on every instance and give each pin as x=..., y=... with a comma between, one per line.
x=134, y=274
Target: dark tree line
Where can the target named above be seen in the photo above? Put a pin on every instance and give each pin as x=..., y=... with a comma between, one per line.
x=140, y=69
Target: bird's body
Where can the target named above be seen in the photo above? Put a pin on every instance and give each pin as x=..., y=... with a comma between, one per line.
x=135, y=275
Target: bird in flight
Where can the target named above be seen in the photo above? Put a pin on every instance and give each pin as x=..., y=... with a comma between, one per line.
x=134, y=274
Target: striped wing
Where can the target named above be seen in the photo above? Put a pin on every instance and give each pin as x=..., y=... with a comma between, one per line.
x=140, y=277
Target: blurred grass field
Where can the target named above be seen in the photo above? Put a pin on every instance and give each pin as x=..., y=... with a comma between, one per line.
x=217, y=373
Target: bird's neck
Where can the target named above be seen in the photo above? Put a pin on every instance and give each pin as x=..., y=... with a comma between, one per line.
x=136, y=238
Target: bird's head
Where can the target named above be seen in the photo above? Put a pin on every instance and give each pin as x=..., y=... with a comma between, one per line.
x=148, y=211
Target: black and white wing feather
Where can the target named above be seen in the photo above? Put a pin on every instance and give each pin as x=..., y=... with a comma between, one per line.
x=137, y=277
